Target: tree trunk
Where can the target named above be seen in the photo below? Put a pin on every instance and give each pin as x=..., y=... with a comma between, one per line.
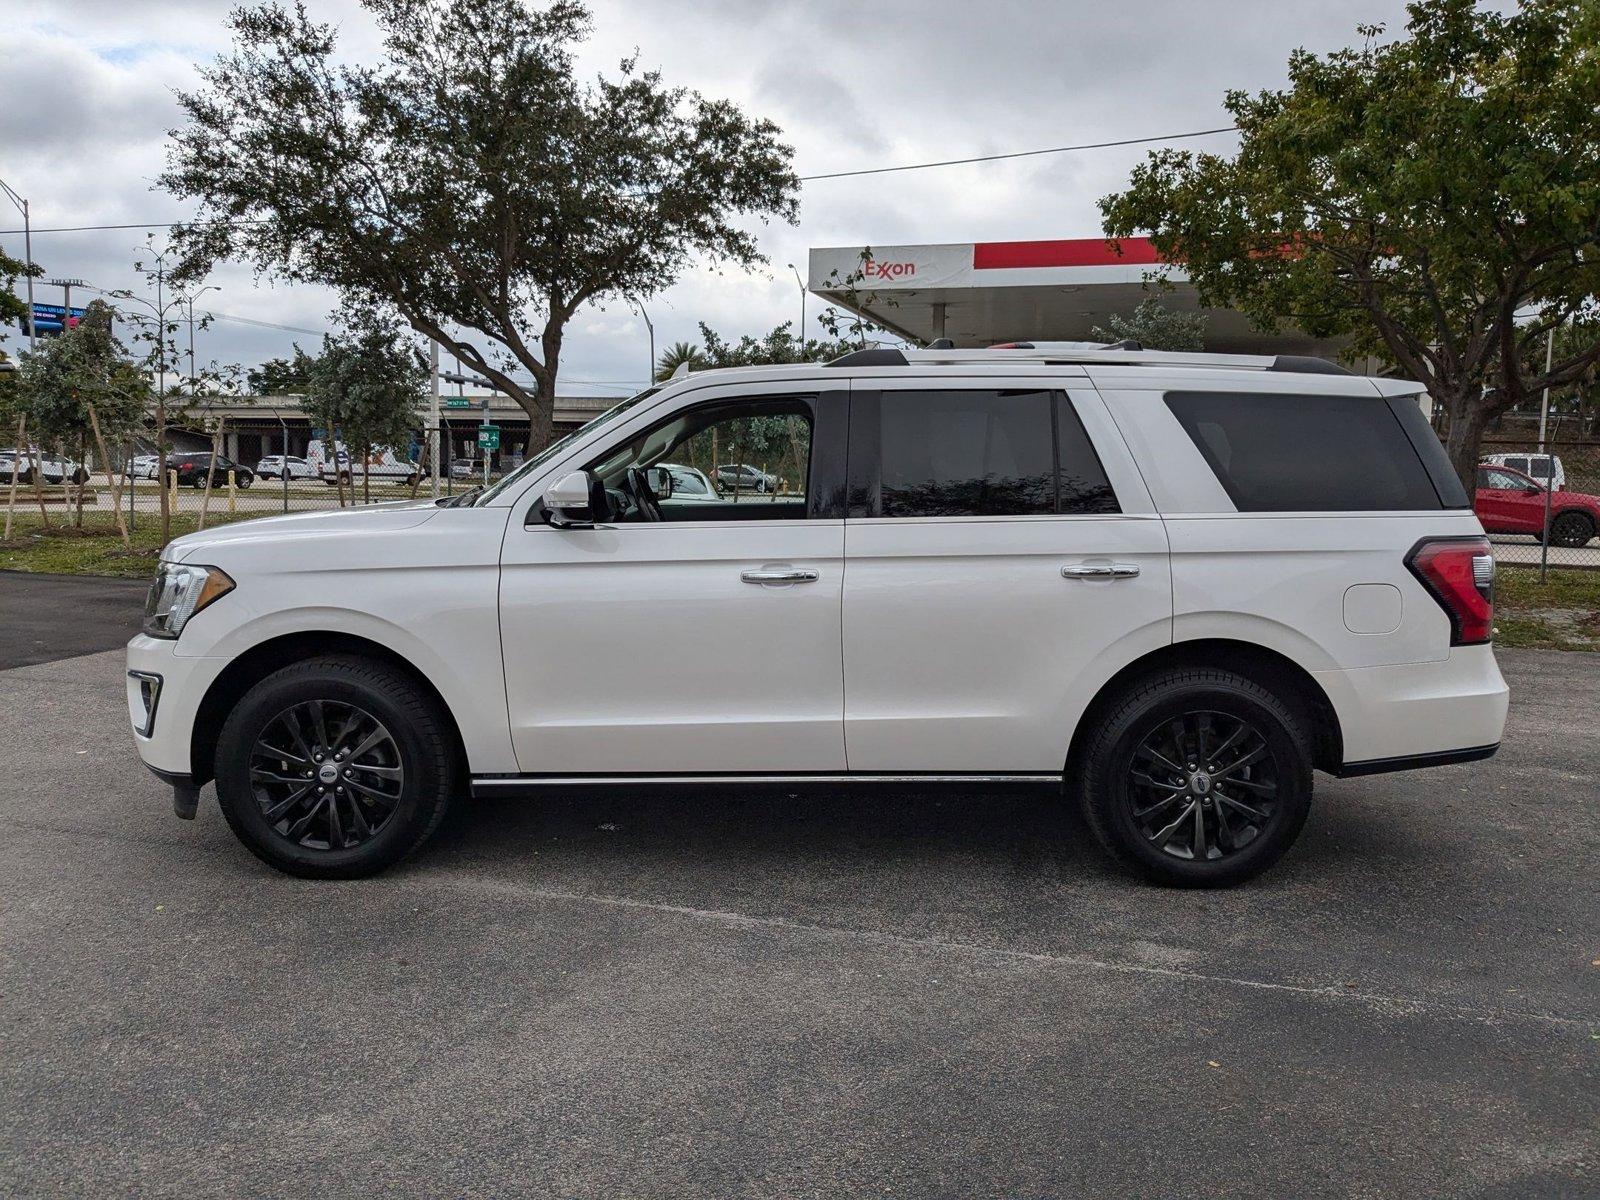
x=366, y=473
x=37, y=465
x=116, y=492
x=1469, y=416
x=83, y=455
x=211, y=470
x=161, y=469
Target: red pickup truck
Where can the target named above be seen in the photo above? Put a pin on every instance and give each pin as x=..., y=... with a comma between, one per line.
x=1508, y=501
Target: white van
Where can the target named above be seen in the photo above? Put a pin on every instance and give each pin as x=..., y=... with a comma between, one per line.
x=1541, y=466
x=1107, y=573
x=334, y=464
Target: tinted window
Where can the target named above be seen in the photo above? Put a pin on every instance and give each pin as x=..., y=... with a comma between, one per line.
x=957, y=454
x=1083, y=483
x=1306, y=453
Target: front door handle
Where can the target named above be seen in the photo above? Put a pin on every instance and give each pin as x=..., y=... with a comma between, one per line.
x=779, y=575
x=1100, y=571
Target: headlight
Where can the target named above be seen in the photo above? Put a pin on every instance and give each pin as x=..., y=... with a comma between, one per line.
x=180, y=591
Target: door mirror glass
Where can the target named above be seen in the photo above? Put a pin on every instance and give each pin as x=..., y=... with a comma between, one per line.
x=566, y=501
x=660, y=480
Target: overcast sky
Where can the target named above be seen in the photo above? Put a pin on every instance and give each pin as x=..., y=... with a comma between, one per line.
x=86, y=98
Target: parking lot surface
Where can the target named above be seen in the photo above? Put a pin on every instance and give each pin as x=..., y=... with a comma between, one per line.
x=910, y=996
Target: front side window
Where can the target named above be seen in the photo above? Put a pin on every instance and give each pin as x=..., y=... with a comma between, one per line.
x=974, y=453
x=746, y=460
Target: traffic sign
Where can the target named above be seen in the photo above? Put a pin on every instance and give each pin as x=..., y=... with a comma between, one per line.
x=457, y=402
x=489, y=437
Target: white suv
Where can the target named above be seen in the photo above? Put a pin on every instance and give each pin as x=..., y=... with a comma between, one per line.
x=1113, y=573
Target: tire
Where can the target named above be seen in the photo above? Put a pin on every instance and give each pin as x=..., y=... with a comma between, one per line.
x=199, y=483
x=399, y=811
x=1571, y=529
x=244, y=481
x=1177, y=708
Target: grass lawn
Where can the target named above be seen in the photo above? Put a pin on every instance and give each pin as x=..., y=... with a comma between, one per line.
x=1562, y=614
x=97, y=548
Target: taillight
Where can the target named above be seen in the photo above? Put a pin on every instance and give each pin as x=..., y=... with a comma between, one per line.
x=1459, y=572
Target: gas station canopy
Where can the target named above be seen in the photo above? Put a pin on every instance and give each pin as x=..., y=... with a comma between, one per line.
x=980, y=293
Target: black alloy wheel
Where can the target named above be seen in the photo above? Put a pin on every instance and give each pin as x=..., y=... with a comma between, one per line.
x=1203, y=785
x=1196, y=776
x=336, y=767
x=1571, y=529
x=326, y=775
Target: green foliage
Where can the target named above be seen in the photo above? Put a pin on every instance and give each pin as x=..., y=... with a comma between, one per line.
x=1155, y=327
x=469, y=177
x=779, y=346
x=674, y=356
x=1413, y=196
x=367, y=383
x=13, y=308
x=281, y=376
x=84, y=366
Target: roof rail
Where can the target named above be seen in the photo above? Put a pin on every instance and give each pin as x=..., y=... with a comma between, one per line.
x=1119, y=354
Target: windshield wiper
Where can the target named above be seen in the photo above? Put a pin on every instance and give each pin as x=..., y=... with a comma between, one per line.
x=463, y=499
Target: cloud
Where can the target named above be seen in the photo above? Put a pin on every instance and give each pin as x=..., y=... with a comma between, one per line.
x=87, y=96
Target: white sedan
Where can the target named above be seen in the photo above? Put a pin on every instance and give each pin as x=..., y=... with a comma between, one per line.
x=275, y=466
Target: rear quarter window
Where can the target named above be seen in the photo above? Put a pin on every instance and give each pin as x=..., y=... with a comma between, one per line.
x=1316, y=453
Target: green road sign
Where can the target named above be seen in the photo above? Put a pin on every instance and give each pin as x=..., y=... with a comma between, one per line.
x=457, y=402
x=489, y=437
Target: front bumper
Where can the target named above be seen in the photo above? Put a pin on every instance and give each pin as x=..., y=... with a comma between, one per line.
x=164, y=742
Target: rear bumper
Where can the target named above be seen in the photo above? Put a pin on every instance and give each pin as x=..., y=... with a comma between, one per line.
x=1419, y=714
x=1413, y=762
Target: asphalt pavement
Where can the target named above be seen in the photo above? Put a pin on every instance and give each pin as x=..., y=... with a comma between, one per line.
x=906, y=996
x=46, y=617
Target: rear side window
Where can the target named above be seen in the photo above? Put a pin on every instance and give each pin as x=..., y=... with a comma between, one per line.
x=1284, y=453
x=964, y=453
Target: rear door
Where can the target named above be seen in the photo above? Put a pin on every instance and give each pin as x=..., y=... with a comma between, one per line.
x=999, y=547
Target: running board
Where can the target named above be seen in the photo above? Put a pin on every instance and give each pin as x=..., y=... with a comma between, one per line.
x=518, y=785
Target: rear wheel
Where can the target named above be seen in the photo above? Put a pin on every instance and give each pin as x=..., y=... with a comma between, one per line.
x=335, y=768
x=1197, y=777
x=1571, y=529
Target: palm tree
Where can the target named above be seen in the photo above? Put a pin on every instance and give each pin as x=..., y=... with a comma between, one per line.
x=674, y=356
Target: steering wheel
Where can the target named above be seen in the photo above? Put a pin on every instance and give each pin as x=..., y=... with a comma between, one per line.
x=643, y=498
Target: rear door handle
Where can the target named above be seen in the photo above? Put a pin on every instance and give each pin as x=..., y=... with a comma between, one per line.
x=1100, y=571
x=779, y=575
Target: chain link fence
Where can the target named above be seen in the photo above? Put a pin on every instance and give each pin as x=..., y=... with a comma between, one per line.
x=1530, y=523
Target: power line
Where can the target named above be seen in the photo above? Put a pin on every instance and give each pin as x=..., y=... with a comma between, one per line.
x=922, y=166
x=956, y=162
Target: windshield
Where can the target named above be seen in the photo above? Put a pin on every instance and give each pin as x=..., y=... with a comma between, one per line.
x=550, y=451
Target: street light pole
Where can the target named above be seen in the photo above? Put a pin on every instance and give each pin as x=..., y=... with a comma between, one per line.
x=433, y=415
x=802, y=286
x=188, y=303
x=650, y=375
x=27, y=254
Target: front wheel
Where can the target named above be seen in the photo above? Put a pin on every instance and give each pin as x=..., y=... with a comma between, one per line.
x=1197, y=778
x=244, y=481
x=1572, y=530
x=335, y=767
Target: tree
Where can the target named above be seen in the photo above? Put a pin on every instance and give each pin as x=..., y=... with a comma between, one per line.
x=1155, y=327
x=779, y=346
x=674, y=356
x=1420, y=196
x=13, y=309
x=79, y=389
x=281, y=376
x=366, y=386
x=469, y=177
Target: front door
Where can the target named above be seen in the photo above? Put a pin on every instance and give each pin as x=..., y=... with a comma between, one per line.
x=1505, y=504
x=693, y=630
x=992, y=562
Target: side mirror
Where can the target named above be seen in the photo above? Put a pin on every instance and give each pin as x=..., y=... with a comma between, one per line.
x=660, y=481
x=566, y=502
x=1532, y=490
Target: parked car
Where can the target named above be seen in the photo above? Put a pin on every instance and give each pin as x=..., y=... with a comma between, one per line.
x=1508, y=501
x=276, y=466
x=689, y=484
x=193, y=468
x=742, y=477
x=144, y=466
x=1110, y=575
x=1540, y=466
x=51, y=468
x=466, y=468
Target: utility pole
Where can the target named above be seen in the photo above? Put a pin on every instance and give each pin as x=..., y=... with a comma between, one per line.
x=27, y=254
x=433, y=415
x=188, y=303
